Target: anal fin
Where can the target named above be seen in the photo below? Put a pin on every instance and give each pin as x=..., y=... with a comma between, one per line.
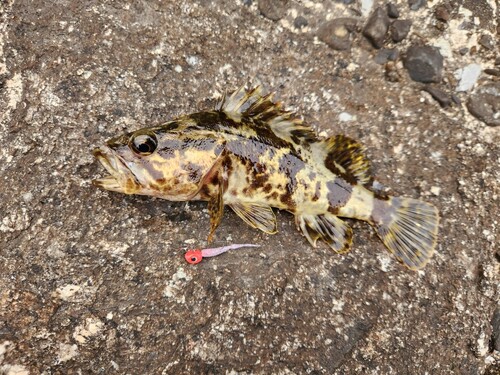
x=256, y=215
x=327, y=228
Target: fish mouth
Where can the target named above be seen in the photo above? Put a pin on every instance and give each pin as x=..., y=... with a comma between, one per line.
x=120, y=178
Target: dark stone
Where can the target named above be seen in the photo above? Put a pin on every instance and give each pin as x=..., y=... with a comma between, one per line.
x=392, y=10
x=342, y=64
x=416, y=4
x=386, y=54
x=337, y=33
x=441, y=97
x=442, y=14
x=463, y=51
x=424, y=64
x=376, y=27
x=300, y=22
x=485, y=104
x=492, y=72
x=400, y=30
x=247, y=2
x=456, y=99
x=486, y=41
x=495, y=329
x=497, y=61
x=273, y=9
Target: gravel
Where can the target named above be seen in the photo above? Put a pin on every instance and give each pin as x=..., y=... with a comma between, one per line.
x=416, y=4
x=376, y=27
x=392, y=10
x=273, y=9
x=484, y=104
x=338, y=33
x=441, y=97
x=468, y=77
x=400, y=30
x=424, y=63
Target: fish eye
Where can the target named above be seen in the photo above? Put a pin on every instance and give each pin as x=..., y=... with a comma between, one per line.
x=143, y=144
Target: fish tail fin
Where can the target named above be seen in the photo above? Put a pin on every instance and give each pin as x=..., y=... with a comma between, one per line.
x=408, y=228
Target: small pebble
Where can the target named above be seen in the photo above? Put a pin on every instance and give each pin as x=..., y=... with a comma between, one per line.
x=376, y=27
x=392, y=10
x=468, y=77
x=486, y=41
x=386, y=54
x=400, y=30
x=345, y=117
x=366, y=7
x=192, y=60
x=439, y=95
x=485, y=104
x=456, y=99
x=492, y=72
x=337, y=33
x=27, y=197
x=424, y=63
x=463, y=51
x=442, y=14
x=300, y=22
x=273, y=9
x=495, y=328
x=416, y=4
x=435, y=190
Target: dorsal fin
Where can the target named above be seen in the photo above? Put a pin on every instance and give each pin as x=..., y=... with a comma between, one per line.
x=262, y=111
x=345, y=155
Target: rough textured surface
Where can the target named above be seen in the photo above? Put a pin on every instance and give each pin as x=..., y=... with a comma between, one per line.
x=95, y=282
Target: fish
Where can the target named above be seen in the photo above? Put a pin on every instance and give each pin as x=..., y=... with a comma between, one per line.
x=253, y=155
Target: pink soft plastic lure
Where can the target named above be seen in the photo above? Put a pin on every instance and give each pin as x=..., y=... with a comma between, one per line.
x=196, y=255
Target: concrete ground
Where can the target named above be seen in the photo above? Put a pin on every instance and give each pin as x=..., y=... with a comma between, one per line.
x=96, y=282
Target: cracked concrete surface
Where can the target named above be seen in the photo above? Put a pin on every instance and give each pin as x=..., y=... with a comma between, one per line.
x=96, y=282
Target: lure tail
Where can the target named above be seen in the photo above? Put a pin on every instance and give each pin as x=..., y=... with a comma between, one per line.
x=408, y=228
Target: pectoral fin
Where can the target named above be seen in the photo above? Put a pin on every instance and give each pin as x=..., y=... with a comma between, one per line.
x=256, y=215
x=216, y=210
x=327, y=228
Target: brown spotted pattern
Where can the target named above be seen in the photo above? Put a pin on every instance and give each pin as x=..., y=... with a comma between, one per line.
x=252, y=155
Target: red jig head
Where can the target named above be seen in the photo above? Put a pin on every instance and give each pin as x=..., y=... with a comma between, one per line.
x=193, y=256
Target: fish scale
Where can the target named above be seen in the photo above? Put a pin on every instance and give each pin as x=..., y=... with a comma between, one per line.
x=252, y=155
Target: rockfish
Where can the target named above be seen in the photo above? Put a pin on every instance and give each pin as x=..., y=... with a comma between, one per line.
x=251, y=155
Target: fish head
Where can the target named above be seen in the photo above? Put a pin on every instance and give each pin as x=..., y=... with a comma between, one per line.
x=158, y=162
